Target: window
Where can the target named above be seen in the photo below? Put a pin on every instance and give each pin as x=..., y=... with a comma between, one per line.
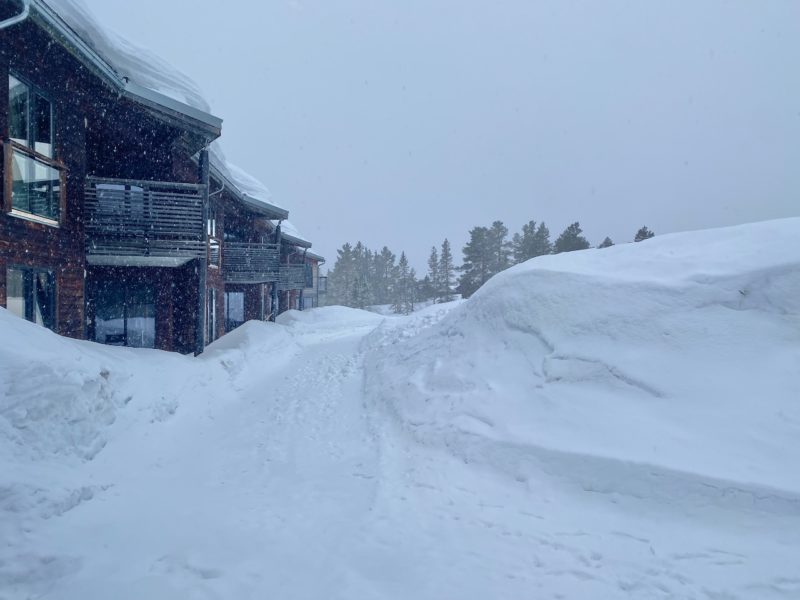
x=211, y=316
x=214, y=246
x=36, y=177
x=125, y=314
x=31, y=295
x=234, y=310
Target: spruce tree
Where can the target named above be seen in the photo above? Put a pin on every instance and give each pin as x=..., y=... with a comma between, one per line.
x=606, y=243
x=499, y=248
x=446, y=273
x=475, y=268
x=402, y=302
x=433, y=273
x=541, y=243
x=342, y=277
x=643, y=234
x=532, y=242
x=571, y=239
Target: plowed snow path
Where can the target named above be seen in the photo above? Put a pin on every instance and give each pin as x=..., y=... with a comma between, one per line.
x=288, y=482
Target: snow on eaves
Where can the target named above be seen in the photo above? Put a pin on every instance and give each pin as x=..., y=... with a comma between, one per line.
x=249, y=189
x=147, y=71
x=130, y=61
x=291, y=234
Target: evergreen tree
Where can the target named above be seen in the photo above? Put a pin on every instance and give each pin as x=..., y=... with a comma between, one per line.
x=475, y=270
x=341, y=278
x=541, y=244
x=361, y=294
x=384, y=267
x=643, y=234
x=606, y=243
x=499, y=248
x=571, y=239
x=403, y=302
x=433, y=273
x=532, y=242
x=425, y=290
x=446, y=273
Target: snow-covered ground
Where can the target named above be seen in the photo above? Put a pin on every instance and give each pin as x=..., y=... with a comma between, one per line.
x=618, y=423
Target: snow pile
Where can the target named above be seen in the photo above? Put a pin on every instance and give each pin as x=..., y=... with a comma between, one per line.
x=668, y=365
x=59, y=396
x=250, y=348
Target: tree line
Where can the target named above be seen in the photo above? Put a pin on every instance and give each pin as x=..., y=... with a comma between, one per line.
x=363, y=277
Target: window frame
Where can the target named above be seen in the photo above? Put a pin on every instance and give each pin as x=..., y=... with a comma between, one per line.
x=11, y=146
x=28, y=287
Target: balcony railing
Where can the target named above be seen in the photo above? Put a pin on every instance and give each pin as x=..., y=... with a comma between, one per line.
x=296, y=277
x=244, y=262
x=129, y=220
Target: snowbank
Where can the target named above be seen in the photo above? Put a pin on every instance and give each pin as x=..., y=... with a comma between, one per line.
x=673, y=362
x=60, y=396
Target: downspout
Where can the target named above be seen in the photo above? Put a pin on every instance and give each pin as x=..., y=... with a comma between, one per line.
x=274, y=312
x=26, y=10
x=202, y=267
x=302, y=291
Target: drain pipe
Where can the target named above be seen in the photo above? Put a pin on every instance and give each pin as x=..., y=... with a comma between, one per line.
x=26, y=9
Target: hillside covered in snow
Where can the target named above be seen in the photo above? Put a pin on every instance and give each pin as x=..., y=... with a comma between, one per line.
x=616, y=423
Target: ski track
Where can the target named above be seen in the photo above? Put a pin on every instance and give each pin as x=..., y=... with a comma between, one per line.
x=327, y=494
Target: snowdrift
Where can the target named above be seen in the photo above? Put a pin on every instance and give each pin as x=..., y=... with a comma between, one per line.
x=664, y=368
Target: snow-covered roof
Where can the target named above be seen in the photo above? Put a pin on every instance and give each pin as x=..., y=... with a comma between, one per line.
x=244, y=186
x=137, y=72
x=290, y=234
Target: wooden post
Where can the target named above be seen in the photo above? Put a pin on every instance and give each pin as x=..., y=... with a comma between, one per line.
x=274, y=311
x=202, y=267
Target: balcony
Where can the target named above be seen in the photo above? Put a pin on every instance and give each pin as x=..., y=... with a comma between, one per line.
x=295, y=277
x=244, y=262
x=143, y=223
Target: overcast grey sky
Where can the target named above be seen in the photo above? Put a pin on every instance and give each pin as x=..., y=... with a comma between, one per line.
x=401, y=122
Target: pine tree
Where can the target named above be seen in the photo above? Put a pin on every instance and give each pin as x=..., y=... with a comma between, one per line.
x=384, y=265
x=532, y=242
x=341, y=278
x=403, y=302
x=499, y=248
x=433, y=273
x=475, y=268
x=571, y=239
x=541, y=244
x=446, y=273
x=643, y=234
x=606, y=243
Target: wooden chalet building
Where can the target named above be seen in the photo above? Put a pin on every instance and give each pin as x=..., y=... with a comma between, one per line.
x=116, y=222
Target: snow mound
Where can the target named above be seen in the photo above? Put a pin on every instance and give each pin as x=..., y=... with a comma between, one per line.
x=660, y=368
x=59, y=396
x=249, y=349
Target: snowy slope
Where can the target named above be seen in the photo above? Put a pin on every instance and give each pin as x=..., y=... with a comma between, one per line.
x=606, y=424
x=681, y=353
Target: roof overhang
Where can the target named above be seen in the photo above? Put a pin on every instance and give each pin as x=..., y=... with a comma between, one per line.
x=193, y=119
x=290, y=239
x=315, y=256
x=264, y=209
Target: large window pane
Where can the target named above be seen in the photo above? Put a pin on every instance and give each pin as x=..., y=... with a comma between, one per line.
x=31, y=294
x=36, y=187
x=18, y=110
x=125, y=314
x=234, y=310
x=43, y=126
x=15, y=292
